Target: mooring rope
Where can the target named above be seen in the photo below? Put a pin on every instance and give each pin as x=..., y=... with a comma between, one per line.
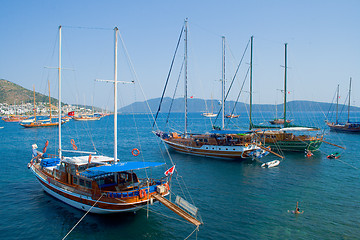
x=197, y=228
x=83, y=217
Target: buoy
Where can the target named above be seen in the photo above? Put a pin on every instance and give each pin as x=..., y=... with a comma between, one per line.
x=135, y=152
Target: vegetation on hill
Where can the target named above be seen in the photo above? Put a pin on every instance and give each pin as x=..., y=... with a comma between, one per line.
x=12, y=93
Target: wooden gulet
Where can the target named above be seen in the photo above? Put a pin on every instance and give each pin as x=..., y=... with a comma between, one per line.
x=216, y=144
x=100, y=184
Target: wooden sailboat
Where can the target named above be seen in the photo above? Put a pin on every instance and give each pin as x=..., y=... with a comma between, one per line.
x=84, y=117
x=285, y=139
x=217, y=143
x=353, y=127
x=101, y=184
x=87, y=117
x=40, y=123
x=14, y=118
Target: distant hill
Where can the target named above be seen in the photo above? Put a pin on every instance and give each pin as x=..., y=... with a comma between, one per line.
x=199, y=105
x=11, y=93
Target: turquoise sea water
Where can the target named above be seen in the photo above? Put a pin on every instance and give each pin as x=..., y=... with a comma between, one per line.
x=236, y=200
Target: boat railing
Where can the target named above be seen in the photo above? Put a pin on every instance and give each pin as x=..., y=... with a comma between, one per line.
x=132, y=193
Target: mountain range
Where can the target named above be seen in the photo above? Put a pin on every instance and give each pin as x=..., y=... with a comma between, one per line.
x=11, y=93
x=201, y=105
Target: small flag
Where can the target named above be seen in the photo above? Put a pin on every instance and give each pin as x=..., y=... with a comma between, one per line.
x=191, y=96
x=170, y=171
x=72, y=113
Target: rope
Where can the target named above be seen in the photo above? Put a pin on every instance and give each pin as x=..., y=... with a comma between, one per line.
x=197, y=228
x=172, y=100
x=232, y=81
x=82, y=217
x=168, y=77
x=237, y=99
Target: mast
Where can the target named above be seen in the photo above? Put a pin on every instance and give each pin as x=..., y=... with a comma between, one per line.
x=337, y=103
x=223, y=84
x=349, y=102
x=34, y=104
x=185, y=76
x=251, y=65
x=285, y=82
x=115, y=95
x=59, y=92
x=49, y=100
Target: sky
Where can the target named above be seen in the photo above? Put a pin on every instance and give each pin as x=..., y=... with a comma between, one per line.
x=323, y=48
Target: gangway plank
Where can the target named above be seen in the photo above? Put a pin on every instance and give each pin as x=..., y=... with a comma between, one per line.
x=177, y=209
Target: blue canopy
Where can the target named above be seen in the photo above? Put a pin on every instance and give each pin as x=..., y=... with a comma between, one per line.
x=118, y=167
x=230, y=132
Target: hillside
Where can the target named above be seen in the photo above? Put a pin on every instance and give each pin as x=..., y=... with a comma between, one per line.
x=198, y=105
x=11, y=93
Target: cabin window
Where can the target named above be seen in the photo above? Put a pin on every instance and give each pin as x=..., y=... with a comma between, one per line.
x=207, y=148
x=227, y=149
x=75, y=180
x=205, y=140
x=81, y=182
x=234, y=149
x=88, y=184
x=200, y=140
x=213, y=148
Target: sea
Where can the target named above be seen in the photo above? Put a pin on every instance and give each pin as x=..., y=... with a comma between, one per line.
x=235, y=199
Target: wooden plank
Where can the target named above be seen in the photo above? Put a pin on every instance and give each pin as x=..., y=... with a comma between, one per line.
x=333, y=144
x=176, y=209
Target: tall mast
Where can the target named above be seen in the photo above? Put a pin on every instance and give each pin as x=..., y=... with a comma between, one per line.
x=185, y=76
x=34, y=104
x=337, y=103
x=59, y=92
x=251, y=65
x=285, y=87
x=49, y=100
x=115, y=95
x=349, y=102
x=223, y=84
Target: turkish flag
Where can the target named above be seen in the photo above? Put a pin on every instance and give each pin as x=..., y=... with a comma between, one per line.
x=72, y=113
x=170, y=171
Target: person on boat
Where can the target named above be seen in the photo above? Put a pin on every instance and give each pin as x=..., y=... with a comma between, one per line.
x=35, y=153
x=308, y=153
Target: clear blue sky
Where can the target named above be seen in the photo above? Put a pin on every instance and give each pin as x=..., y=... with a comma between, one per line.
x=323, y=46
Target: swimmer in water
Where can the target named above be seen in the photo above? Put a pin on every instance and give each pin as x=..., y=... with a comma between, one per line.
x=297, y=209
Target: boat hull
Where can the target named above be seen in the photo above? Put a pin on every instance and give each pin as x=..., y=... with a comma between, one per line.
x=295, y=146
x=87, y=203
x=344, y=128
x=213, y=151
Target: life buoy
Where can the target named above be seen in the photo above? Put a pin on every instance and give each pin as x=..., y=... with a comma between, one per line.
x=142, y=193
x=135, y=152
x=246, y=145
x=89, y=160
x=73, y=144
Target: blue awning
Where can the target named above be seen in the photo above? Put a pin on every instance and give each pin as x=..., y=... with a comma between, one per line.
x=230, y=132
x=118, y=167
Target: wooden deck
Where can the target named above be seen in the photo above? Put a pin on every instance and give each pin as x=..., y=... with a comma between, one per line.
x=177, y=209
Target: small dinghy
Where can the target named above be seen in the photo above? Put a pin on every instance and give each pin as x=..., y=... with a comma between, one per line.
x=335, y=155
x=270, y=164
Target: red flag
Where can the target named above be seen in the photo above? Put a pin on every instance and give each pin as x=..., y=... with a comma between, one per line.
x=191, y=96
x=170, y=171
x=72, y=113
